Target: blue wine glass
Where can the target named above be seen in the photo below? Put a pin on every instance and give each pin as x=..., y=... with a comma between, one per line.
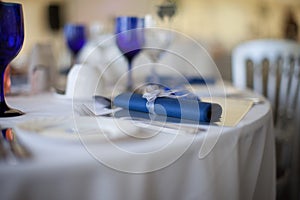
x=75, y=36
x=11, y=42
x=130, y=39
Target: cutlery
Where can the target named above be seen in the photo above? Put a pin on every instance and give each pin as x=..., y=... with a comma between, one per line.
x=2, y=149
x=11, y=149
x=147, y=124
x=17, y=147
x=6, y=154
x=101, y=103
x=83, y=109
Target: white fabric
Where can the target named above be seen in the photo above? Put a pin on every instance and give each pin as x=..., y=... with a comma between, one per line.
x=241, y=165
x=83, y=81
x=103, y=54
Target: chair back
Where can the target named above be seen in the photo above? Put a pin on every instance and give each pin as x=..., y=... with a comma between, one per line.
x=271, y=68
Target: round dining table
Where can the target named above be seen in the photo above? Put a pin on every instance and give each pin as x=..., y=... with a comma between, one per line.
x=213, y=162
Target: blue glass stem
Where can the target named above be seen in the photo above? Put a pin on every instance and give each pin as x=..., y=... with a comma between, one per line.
x=73, y=59
x=2, y=85
x=5, y=110
x=130, y=80
x=3, y=105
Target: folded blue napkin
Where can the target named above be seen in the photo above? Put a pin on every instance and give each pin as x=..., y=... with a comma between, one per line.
x=172, y=107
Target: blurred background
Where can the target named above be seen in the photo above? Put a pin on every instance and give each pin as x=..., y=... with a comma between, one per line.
x=218, y=25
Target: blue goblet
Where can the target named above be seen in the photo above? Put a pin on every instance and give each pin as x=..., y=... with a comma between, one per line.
x=130, y=40
x=11, y=42
x=75, y=36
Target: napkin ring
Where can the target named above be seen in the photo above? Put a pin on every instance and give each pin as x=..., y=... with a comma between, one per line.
x=152, y=92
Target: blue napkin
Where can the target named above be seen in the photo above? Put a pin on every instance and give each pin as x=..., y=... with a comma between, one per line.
x=172, y=107
x=199, y=80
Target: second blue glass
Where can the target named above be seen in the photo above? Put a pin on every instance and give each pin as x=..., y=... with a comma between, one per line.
x=75, y=36
x=130, y=39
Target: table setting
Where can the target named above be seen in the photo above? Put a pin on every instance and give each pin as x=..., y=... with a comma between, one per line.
x=163, y=129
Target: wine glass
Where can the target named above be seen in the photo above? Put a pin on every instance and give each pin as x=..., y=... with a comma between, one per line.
x=157, y=41
x=159, y=35
x=75, y=35
x=11, y=42
x=130, y=40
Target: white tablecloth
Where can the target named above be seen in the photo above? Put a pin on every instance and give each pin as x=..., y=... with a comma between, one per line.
x=240, y=166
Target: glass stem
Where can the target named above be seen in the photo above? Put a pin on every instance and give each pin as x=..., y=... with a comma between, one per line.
x=74, y=59
x=3, y=105
x=129, y=81
x=154, y=75
x=2, y=99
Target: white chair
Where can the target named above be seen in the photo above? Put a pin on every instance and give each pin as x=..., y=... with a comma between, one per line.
x=271, y=68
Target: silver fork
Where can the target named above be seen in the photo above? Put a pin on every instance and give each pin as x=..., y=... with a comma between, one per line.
x=83, y=110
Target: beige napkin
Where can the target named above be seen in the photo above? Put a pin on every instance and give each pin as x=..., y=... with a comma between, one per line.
x=233, y=109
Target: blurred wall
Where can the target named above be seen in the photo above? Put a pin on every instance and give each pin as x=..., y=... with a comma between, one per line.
x=225, y=22
x=220, y=24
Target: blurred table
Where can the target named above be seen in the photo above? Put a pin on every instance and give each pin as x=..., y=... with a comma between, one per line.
x=241, y=165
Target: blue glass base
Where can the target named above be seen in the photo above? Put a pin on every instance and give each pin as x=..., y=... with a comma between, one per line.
x=6, y=111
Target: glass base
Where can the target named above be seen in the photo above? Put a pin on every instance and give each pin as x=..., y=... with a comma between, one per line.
x=10, y=112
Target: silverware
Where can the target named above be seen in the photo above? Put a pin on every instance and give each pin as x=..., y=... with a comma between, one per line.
x=144, y=123
x=84, y=110
x=11, y=149
x=3, y=153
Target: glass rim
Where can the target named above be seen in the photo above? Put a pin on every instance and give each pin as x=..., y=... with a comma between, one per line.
x=74, y=25
x=129, y=17
x=10, y=3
